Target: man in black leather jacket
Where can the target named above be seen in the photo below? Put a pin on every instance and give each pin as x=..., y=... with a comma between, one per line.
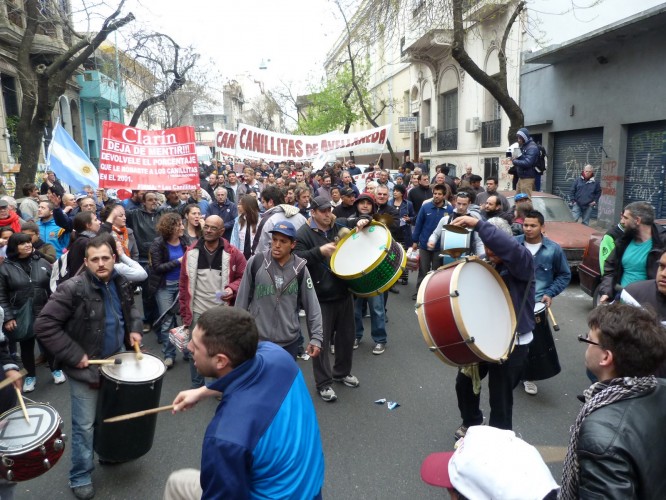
x=617, y=447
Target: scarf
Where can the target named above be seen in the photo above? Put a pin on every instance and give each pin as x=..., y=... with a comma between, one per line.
x=123, y=238
x=12, y=221
x=597, y=396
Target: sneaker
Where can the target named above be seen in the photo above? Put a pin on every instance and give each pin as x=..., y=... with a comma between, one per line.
x=530, y=387
x=327, y=394
x=332, y=349
x=29, y=384
x=137, y=290
x=168, y=362
x=301, y=313
x=366, y=315
x=460, y=432
x=85, y=492
x=58, y=377
x=404, y=280
x=379, y=349
x=356, y=343
x=146, y=327
x=349, y=380
x=393, y=289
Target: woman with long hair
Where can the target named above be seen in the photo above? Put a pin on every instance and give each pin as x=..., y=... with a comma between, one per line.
x=407, y=215
x=245, y=227
x=115, y=222
x=192, y=222
x=166, y=254
x=86, y=226
x=24, y=278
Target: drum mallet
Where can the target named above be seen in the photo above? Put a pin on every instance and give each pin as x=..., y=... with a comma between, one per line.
x=22, y=403
x=556, y=327
x=137, y=414
x=116, y=361
x=137, y=350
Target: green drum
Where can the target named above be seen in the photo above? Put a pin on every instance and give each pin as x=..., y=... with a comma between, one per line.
x=369, y=260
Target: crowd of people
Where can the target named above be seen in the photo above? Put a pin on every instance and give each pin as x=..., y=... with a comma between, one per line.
x=259, y=237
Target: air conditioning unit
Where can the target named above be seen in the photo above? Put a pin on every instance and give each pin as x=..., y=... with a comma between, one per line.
x=472, y=124
x=429, y=132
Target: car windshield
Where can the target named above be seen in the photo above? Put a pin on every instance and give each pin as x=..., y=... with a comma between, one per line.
x=553, y=209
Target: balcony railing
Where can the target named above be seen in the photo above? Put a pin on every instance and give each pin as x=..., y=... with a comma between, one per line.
x=426, y=144
x=490, y=133
x=447, y=139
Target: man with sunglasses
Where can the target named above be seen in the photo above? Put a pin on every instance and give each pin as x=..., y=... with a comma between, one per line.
x=616, y=447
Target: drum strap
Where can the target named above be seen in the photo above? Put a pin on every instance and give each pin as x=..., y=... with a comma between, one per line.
x=520, y=313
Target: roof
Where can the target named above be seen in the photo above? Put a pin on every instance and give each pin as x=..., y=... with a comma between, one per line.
x=600, y=42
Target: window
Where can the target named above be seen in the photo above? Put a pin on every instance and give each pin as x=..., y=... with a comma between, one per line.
x=491, y=167
x=447, y=121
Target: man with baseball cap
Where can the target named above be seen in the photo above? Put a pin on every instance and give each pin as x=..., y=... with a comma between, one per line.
x=346, y=207
x=491, y=463
x=275, y=285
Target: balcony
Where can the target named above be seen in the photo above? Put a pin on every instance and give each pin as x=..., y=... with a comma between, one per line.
x=482, y=10
x=98, y=87
x=447, y=139
x=432, y=45
x=426, y=144
x=491, y=133
x=48, y=39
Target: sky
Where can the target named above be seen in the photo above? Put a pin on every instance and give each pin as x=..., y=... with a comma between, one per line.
x=295, y=35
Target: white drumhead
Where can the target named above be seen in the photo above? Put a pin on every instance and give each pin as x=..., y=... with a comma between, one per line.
x=18, y=436
x=485, y=309
x=539, y=307
x=358, y=252
x=133, y=370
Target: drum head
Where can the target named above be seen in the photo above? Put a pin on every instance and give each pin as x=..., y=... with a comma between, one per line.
x=483, y=310
x=359, y=251
x=133, y=370
x=539, y=307
x=19, y=436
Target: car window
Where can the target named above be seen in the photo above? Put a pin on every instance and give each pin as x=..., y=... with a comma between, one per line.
x=553, y=209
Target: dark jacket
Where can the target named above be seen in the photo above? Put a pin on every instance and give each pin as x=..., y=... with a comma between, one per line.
x=394, y=226
x=343, y=211
x=328, y=286
x=160, y=264
x=620, y=449
x=73, y=322
x=613, y=266
x=227, y=211
x=584, y=192
x=406, y=209
x=144, y=224
x=417, y=195
x=527, y=161
x=77, y=252
x=17, y=286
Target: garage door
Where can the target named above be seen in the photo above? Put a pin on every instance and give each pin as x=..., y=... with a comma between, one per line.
x=644, y=167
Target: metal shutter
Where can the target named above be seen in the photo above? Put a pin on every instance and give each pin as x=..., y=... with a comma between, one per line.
x=573, y=150
x=644, y=167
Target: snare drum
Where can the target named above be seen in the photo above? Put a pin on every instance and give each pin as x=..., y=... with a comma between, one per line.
x=455, y=242
x=466, y=314
x=28, y=450
x=370, y=260
x=135, y=385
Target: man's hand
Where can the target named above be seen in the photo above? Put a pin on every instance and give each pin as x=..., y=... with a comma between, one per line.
x=466, y=221
x=228, y=294
x=54, y=198
x=188, y=399
x=431, y=246
x=327, y=249
x=10, y=325
x=135, y=338
x=312, y=350
x=83, y=363
x=18, y=383
x=362, y=223
x=546, y=300
x=604, y=299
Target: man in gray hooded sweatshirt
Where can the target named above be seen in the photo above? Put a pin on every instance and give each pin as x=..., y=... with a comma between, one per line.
x=275, y=285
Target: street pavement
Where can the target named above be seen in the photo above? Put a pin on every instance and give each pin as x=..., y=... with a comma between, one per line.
x=370, y=451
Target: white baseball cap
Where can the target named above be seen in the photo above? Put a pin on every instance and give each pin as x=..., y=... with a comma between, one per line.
x=491, y=463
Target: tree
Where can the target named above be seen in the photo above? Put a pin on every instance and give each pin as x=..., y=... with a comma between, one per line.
x=44, y=75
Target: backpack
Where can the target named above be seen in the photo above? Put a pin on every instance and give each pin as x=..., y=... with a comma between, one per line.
x=542, y=163
x=60, y=272
x=256, y=265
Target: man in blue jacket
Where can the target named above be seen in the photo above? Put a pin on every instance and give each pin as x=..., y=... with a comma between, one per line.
x=515, y=265
x=585, y=194
x=263, y=441
x=225, y=209
x=526, y=162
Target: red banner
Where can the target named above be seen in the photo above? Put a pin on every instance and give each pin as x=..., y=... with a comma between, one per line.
x=132, y=158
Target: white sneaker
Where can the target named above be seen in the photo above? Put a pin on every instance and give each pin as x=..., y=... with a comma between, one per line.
x=301, y=313
x=530, y=387
x=29, y=384
x=328, y=394
x=58, y=377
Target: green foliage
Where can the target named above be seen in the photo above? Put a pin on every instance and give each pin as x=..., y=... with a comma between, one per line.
x=334, y=106
x=12, y=125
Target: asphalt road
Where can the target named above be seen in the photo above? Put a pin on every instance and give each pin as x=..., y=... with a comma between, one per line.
x=371, y=452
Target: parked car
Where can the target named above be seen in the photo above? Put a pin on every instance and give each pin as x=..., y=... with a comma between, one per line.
x=560, y=226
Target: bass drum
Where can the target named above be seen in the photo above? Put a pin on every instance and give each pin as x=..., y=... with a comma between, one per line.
x=135, y=385
x=466, y=314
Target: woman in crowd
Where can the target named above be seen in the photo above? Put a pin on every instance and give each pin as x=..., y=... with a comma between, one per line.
x=192, y=221
x=166, y=254
x=245, y=226
x=86, y=226
x=405, y=209
x=24, y=281
x=115, y=222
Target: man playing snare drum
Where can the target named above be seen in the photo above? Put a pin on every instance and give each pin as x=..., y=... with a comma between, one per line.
x=89, y=316
x=515, y=265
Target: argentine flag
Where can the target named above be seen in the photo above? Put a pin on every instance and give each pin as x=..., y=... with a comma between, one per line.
x=69, y=163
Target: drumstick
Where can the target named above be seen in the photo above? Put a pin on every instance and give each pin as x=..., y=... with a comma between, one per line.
x=128, y=416
x=11, y=380
x=556, y=327
x=137, y=350
x=22, y=403
x=116, y=361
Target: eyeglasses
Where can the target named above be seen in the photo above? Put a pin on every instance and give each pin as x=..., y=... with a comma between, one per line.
x=586, y=340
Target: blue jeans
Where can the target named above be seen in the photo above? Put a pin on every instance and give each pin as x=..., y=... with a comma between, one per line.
x=585, y=212
x=165, y=298
x=84, y=406
x=196, y=378
x=377, y=318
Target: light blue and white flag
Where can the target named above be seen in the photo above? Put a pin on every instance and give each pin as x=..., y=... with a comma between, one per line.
x=66, y=159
